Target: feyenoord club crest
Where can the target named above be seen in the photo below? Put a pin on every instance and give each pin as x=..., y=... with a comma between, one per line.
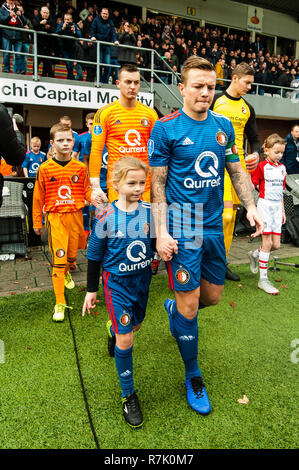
x=125, y=319
x=244, y=110
x=75, y=178
x=221, y=138
x=144, y=122
x=60, y=253
x=182, y=276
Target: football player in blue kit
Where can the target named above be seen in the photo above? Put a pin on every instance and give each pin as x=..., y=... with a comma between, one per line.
x=188, y=152
x=121, y=243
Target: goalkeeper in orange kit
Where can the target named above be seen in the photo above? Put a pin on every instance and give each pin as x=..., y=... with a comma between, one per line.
x=61, y=189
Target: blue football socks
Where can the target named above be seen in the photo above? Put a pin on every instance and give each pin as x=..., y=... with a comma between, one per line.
x=186, y=335
x=124, y=367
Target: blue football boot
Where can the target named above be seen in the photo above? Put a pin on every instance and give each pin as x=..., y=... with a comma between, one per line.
x=168, y=305
x=197, y=395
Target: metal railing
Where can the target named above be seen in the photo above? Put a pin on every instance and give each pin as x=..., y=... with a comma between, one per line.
x=155, y=74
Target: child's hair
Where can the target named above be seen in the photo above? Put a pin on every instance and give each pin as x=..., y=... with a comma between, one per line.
x=89, y=116
x=36, y=140
x=124, y=165
x=59, y=127
x=273, y=139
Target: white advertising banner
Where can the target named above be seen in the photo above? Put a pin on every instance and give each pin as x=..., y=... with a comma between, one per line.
x=58, y=94
x=255, y=19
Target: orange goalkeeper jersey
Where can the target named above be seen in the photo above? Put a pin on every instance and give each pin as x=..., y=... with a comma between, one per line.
x=125, y=131
x=60, y=189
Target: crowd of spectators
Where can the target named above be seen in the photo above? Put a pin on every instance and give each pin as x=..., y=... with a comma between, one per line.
x=175, y=41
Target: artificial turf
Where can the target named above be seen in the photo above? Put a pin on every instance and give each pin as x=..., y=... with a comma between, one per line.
x=244, y=349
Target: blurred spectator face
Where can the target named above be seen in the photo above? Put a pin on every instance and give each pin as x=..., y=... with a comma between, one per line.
x=68, y=18
x=139, y=43
x=44, y=13
x=105, y=14
x=295, y=132
x=233, y=63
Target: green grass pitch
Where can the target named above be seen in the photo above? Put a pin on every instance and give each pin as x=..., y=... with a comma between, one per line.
x=244, y=349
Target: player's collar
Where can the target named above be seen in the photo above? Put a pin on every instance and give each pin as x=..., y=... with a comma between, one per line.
x=232, y=97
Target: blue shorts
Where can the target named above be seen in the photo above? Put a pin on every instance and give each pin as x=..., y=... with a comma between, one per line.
x=126, y=299
x=189, y=265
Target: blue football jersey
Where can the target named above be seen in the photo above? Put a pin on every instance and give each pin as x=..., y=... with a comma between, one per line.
x=195, y=153
x=103, y=173
x=121, y=240
x=80, y=144
x=32, y=162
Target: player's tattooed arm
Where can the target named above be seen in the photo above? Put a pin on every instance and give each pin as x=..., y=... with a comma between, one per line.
x=165, y=245
x=241, y=183
x=158, y=182
x=158, y=197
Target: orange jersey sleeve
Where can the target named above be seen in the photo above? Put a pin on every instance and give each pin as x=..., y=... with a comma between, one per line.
x=38, y=200
x=125, y=131
x=60, y=188
x=98, y=140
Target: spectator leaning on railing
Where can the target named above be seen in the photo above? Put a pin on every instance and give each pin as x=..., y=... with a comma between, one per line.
x=68, y=46
x=12, y=16
x=127, y=37
x=44, y=23
x=102, y=29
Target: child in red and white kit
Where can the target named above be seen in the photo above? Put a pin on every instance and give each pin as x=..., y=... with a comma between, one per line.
x=269, y=177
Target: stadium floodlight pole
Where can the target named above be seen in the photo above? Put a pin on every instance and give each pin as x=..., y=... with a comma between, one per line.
x=35, y=60
x=152, y=70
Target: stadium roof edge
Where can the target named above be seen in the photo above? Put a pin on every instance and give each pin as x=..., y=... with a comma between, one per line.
x=288, y=7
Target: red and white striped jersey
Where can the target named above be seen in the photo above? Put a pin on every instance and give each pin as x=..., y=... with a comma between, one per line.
x=270, y=179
